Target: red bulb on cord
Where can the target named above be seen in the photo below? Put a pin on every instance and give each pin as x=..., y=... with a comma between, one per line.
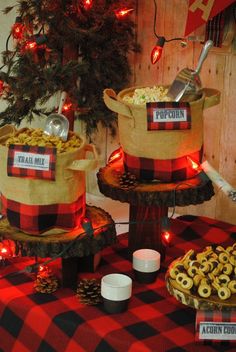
x=157, y=50
x=1, y=87
x=30, y=45
x=193, y=164
x=156, y=54
x=122, y=13
x=166, y=237
x=67, y=107
x=115, y=156
x=18, y=31
x=87, y=4
x=4, y=250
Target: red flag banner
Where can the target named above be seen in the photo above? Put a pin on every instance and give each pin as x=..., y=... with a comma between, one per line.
x=200, y=11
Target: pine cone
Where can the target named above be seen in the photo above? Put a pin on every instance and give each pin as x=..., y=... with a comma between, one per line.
x=89, y=292
x=46, y=282
x=127, y=181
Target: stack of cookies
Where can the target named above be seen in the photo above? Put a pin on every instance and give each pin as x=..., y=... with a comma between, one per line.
x=211, y=272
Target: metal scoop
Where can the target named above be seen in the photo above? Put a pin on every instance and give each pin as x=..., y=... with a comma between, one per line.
x=57, y=124
x=187, y=83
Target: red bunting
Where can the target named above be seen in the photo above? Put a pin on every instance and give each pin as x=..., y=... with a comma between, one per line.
x=200, y=11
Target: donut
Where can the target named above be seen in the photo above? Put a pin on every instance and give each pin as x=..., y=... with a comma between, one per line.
x=188, y=255
x=224, y=279
x=227, y=269
x=204, y=267
x=201, y=257
x=204, y=290
x=180, y=277
x=232, y=286
x=174, y=272
x=179, y=266
x=223, y=257
x=229, y=249
x=232, y=260
x=218, y=269
x=196, y=280
x=219, y=249
x=192, y=271
x=224, y=293
x=187, y=283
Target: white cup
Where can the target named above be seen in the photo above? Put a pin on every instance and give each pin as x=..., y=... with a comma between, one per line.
x=146, y=263
x=116, y=290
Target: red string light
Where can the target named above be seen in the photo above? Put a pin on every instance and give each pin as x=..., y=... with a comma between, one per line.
x=166, y=237
x=4, y=250
x=193, y=164
x=87, y=4
x=18, y=30
x=122, y=13
x=157, y=50
x=115, y=156
x=1, y=87
x=67, y=107
x=30, y=45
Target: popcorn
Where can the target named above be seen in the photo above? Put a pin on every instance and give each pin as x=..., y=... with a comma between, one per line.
x=142, y=96
x=36, y=137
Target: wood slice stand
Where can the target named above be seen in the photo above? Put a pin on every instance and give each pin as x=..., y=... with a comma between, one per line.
x=74, y=247
x=149, y=202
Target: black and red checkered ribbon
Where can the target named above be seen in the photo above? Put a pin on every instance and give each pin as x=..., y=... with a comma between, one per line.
x=35, y=219
x=28, y=161
x=168, y=116
x=168, y=170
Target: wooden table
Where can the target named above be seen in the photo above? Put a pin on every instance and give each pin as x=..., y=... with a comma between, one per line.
x=149, y=203
x=75, y=248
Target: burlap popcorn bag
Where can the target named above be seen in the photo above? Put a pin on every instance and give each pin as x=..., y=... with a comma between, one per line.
x=159, y=153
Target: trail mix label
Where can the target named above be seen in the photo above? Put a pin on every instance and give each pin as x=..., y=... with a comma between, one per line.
x=31, y=161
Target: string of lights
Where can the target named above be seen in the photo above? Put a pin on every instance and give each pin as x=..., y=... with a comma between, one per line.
x=161, y=40
x=165, y=222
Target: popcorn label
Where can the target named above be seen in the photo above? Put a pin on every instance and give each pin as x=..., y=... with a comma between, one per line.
x=168, y=116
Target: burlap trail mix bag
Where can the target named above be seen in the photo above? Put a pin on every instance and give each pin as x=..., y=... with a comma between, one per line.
x=42, y=180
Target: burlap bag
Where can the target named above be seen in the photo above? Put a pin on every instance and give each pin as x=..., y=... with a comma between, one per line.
x=69, y=182
x=136, y=140
x=28, y=202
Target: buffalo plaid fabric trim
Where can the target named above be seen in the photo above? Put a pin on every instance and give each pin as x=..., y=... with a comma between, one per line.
x=35, y=219
x=154, y=322
x=169, y=170
x=224, y=316
x=175, y=116
x=13, y=170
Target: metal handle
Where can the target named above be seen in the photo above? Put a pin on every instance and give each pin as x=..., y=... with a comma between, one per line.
x=203, y=55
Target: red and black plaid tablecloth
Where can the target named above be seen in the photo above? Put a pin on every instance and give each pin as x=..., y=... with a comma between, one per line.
x=155, y=321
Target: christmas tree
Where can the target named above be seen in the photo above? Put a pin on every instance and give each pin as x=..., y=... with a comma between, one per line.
x=75, y=46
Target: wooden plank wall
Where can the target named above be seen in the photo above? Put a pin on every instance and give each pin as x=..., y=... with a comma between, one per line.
x=218, y=72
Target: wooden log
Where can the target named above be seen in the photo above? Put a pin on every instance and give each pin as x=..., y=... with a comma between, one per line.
x=65, y=244
x=149, y=203
x=182, y=193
